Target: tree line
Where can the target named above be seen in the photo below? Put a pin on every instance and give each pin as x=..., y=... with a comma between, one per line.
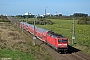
x=3, y=18
x=81, y=17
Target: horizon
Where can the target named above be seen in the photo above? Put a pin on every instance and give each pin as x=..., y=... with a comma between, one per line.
x=20, y=7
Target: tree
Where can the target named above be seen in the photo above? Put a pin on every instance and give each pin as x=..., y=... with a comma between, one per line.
x=82, y=20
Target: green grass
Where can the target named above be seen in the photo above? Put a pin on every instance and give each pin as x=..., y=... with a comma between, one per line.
x=15, y=55
x=64, y=27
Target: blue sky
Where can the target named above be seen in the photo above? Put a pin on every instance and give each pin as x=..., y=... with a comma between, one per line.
x=66, y=7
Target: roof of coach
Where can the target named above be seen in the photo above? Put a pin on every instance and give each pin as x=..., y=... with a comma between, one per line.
x=32, y=26
x=42, y=30
x=55, y=34
x=21, y=22
x=28, y=24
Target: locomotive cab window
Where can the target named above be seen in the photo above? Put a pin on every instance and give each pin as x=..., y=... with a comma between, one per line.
x=62, y=40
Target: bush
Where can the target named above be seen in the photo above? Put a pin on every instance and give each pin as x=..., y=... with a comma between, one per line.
x=41, y=22
x=4, y=19
x=82, y=20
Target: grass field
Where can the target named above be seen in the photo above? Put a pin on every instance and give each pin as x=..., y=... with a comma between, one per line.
x=64, y=27
x=16, y=45
x=15, y=55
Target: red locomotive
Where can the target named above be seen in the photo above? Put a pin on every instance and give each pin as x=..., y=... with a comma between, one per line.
x=56, y=41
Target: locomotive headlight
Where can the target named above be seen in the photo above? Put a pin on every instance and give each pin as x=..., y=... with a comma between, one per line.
x=65, y=44
x=62, y=45
x=59, y=44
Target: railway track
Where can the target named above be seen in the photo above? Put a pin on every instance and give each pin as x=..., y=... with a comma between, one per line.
x=72, y=54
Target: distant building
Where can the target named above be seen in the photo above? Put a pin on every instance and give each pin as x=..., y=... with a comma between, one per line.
x=80, y=15
x=48, y=13
x=3, y=15
x=27, y=13
x=41, y=15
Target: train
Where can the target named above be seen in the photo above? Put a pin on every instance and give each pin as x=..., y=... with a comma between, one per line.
x=56, y=41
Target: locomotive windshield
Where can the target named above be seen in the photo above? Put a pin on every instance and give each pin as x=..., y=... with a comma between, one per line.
x=62, y=40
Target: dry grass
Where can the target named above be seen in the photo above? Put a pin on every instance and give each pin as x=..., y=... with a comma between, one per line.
x=11, y=38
